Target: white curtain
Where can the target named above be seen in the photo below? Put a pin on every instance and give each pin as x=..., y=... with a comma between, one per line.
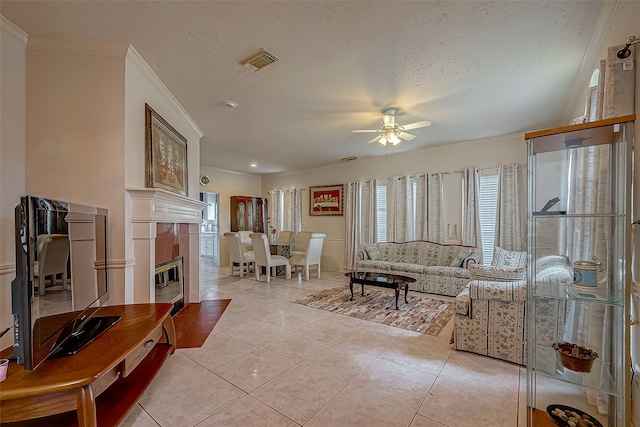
x=470, y=217
x=429, y=211
x=360, y=218
x=510, y=220
x=274, y=208
x=400, y=215
x=285, y=209
x=292, y=210
x=589, y=237
x=416, y=209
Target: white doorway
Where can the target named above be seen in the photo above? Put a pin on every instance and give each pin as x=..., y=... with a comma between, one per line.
x=210, y=241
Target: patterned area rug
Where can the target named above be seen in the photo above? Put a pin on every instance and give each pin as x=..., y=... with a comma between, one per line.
x=424, y=315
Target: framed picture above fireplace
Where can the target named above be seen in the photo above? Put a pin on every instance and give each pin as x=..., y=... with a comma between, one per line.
x=166, y=154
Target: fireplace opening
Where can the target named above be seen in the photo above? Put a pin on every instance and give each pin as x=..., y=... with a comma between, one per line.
x=169, y=284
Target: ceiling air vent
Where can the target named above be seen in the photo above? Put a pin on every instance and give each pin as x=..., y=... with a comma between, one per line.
x=259, y=60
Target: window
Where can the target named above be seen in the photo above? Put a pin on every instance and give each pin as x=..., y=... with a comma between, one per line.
x=381, y=223
x=487, y=204
x=593, y=103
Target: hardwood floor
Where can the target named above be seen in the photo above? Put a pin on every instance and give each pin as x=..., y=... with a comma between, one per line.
x=195, y=322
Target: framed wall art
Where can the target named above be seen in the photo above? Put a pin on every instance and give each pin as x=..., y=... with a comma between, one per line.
x=166, y=154
x=326, y=200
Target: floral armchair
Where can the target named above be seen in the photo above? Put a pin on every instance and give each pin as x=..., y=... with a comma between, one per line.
x=490, y=311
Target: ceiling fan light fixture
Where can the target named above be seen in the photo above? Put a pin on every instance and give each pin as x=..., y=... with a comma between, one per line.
x=383, y=140
x=393, y=139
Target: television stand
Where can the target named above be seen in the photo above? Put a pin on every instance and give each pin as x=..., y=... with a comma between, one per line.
x=99, y=385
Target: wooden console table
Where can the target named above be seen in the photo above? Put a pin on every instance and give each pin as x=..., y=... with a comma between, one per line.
x=101, y=383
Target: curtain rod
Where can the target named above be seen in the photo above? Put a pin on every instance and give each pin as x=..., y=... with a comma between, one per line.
x=492, y=168
x=291, y=189
x=421, y=174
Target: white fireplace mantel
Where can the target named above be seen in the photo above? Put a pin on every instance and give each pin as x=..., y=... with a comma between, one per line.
x=158, y=205
x=148, y=207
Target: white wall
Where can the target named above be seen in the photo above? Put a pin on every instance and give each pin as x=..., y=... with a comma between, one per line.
x=482, y=154
x=228, y=184
x=13, y=65
x=142, y=86
x=75, y=132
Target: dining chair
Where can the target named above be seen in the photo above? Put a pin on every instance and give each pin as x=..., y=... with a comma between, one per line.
x=285, y=237
x=237, y=256
x=265, y=259
x=312, y=255
x=245, y=240
x=301, y=241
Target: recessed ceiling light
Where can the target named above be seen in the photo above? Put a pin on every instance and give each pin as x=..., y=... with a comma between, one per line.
x=253, y=165
x=230, y=104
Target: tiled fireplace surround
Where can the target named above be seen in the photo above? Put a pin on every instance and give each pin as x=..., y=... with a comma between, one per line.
x=165, y=226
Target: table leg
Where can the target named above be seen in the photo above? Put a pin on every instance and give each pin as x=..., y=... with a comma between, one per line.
x=406, y=289
x=397, y=294
x=351, y=289
x=362, y=289
x=86, y=407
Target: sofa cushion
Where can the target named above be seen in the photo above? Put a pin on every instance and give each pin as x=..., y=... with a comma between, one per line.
x=371, y=265
x=553, y=269
x=505, y=258
x=373, y=252
x=442, y=271
x=459, y=259
x=496, y=274
x=447, y=254
x=430, y=254
x=388, y=252
x=399, y=267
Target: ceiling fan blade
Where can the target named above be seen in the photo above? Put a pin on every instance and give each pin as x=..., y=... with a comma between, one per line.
x=375, y=139
x=365, y=130
x=416, y=125
x=406, y=136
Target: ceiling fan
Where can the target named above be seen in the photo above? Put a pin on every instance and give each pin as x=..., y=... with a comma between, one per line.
x=392, y=132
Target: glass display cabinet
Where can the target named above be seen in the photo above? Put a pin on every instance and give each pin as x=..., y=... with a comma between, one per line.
x=579, y=273
x=249, y=213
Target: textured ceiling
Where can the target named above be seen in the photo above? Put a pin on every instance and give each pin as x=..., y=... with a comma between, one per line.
x=475, y=69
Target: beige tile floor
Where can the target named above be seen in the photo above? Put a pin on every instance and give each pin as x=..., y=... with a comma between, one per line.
x=270, y=362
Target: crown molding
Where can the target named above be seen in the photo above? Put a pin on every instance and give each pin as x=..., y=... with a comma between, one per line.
x=10, y=30
x=134, y=58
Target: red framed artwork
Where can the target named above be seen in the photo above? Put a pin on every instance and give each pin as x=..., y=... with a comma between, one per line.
x=326, y=200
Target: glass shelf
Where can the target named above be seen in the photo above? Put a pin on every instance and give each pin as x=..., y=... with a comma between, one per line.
x=571, y=292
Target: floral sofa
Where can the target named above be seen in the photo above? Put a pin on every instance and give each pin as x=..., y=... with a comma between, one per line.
x=438, y=268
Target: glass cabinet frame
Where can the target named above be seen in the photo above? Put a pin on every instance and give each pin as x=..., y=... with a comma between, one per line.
x=579, y=193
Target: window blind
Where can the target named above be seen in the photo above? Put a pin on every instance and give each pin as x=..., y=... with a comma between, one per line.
x=381, y=223
x=487, y=204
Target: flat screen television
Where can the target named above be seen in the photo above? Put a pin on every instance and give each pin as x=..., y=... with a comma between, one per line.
x=61, y=278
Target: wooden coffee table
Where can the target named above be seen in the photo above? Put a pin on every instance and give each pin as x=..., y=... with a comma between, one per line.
x=381, y=280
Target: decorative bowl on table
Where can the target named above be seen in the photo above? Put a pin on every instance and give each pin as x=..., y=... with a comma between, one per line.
x=566, y=416
x=575, y=357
